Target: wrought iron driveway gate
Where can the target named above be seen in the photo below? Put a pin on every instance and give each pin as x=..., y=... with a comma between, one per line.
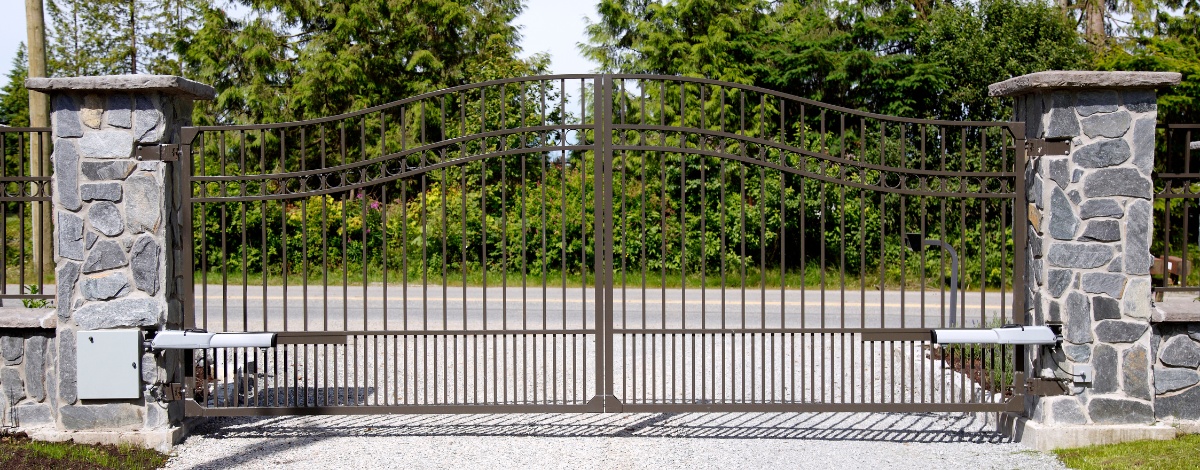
x=588, y=243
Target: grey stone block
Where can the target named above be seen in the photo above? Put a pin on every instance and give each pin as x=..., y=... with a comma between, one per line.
x=1104, y=308
x=1136, y=303
x=1061, y=122
x=1055, y=312
x=1079, y=318
x=1058, y=282
x=1102, y=231
x=1074, y=197
x=1067, y=410
x=1182, y=406
x=1104, y=283
x=70, y=236
x=1097, y=101
x=112, y=416
x=67, y=374
x=12, y=348
x=1063, y=222
x=89, y=239
x=1119, y=411
x=119, y=111
x=106, y=218
x=65, y=117
x=106, y=287
x=147, y=121
x=105, y=255
x=149, y=368
x=1076, y=175
x=156, y=416
x=66, y=174
x=1102, y=154
x=1135, y=373
x=1143, y=144
x=1116, y=331
x=100, y=191
x=12, y=384
x=92, y=111
x=107, y=170
x=1078, y=352
x=144, y=261
x=1060, y=172
x=1116, y=266
x=1137, y=243
x=1117, y=182
x=67, y=274
x=121, y=313
x=1035, y=243
x=1079, y=255
x=32, y=415
x=1113, y=125
x=1180, y=351
x=35, y=367
x=106, y=144
x=1170, y=379
x=1034, y=192
x=1140, y=101
x=143, y=203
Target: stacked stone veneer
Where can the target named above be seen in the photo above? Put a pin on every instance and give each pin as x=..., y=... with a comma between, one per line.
x=1089, y=241
x=1177, y=372
x=27, y=385
x=114, y=231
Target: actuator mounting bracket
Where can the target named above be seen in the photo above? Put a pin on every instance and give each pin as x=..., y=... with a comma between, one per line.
x=1043, y=147
x=161, y=153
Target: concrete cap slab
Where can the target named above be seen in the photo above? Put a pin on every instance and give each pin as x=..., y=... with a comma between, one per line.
x=21, y=317
x=169, y=84
x=1079, y=79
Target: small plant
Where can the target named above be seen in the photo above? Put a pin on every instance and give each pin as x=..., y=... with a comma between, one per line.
x=33, y=289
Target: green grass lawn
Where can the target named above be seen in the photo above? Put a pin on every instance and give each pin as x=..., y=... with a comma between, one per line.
x=19, y=452
x=1182, y=453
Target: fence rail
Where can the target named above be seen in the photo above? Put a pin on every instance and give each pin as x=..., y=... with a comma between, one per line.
x=25, y=210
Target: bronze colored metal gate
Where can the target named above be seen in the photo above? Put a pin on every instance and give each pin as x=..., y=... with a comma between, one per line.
x=602, y=243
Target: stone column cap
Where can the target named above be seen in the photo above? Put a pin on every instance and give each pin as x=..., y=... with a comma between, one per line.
x=1080, y=79
x=169, y=84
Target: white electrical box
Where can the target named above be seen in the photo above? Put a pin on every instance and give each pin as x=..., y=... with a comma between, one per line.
x=109, y=364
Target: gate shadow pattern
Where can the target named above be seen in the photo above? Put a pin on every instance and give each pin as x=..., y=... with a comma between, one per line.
x=875, y=427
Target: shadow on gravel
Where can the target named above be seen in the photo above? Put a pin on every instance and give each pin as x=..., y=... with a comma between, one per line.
x=879, y=427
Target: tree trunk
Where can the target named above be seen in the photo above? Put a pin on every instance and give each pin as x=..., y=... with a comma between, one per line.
x=39, y=161
x=1094, y=29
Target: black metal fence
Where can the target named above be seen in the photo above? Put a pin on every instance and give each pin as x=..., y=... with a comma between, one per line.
x=602, y=242
x=1176, y=241
x=25, y=210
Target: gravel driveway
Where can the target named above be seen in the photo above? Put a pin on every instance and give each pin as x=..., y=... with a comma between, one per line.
x=699, y=440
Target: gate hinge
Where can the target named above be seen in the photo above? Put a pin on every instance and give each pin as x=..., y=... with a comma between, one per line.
x=1043, y=147
x=1045, y=387
x=162, y=153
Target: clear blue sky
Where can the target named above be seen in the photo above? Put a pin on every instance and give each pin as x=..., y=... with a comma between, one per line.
x=553, y=26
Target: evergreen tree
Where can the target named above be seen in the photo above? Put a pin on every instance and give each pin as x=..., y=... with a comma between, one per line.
x=303, y=59
x=14, y=98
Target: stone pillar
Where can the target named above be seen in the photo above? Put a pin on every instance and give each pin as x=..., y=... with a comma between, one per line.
x=114, y=235
x=1089, y=245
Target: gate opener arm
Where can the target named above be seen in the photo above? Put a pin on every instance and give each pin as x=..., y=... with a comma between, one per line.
x=199, y=339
